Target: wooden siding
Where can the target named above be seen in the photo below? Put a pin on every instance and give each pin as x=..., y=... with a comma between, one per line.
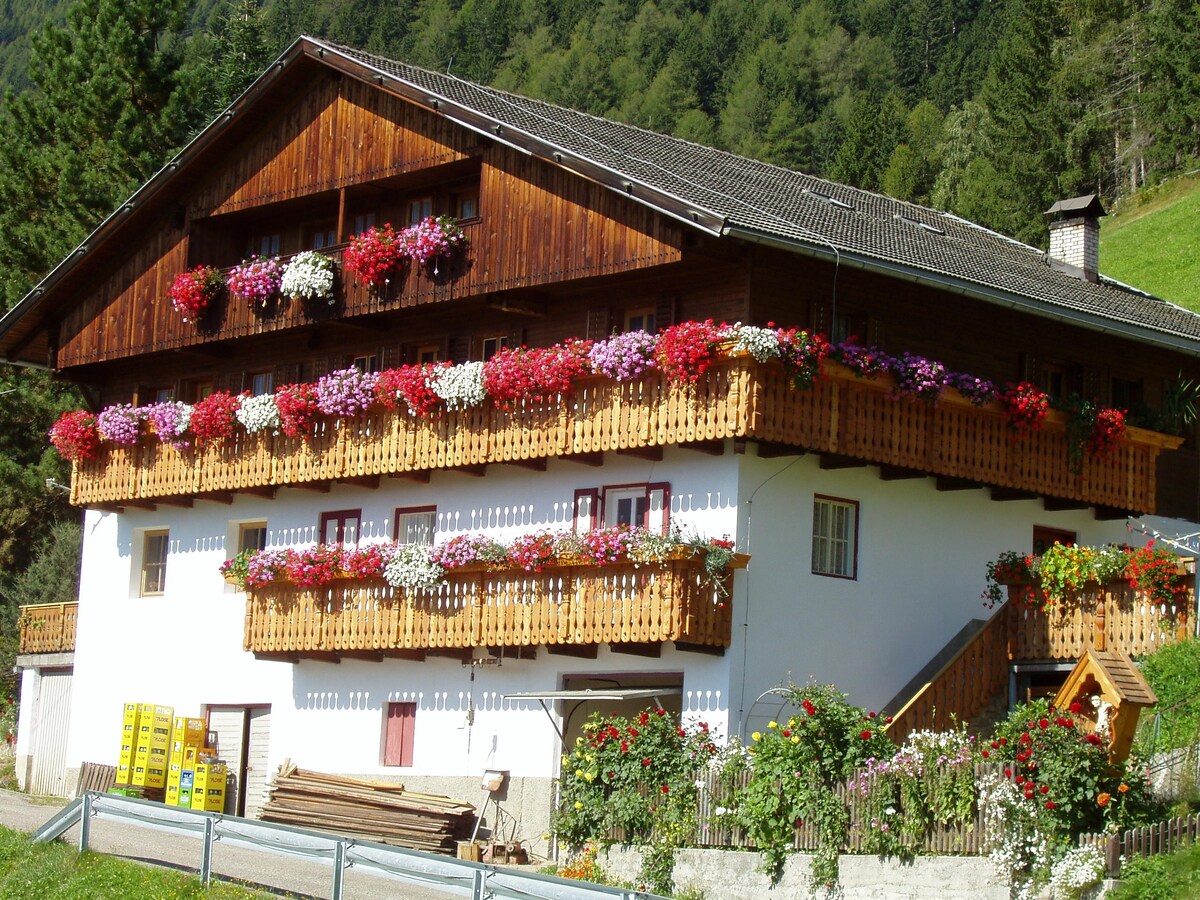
x=538, y=225
x=736, y=398
x=562, y=605
x=48, y=627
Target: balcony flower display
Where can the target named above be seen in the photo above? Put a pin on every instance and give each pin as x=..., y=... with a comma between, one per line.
x=433, y=239
x=309, y=276
x=801, y=354
x=193, y=291
x=314, y=566
x=460, y=387
x=1026, y=405
x=367, y=561
x=259, y=413
x=213, y=418
x=412, y=567
x=75, y=436
x=120, y=424
x=375, y=255
x=624, y=357
x=469, y=549
x=412, y=385
x=686, y=351
x=517, y=374
x=256, y=280
x=298, y=410
x=532, y=552
x=761, y=343
x=346, y=392
x=170, y=421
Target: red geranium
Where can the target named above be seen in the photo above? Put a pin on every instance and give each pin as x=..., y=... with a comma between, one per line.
x=1107, y=431
x=192, y=291
x=1026, y=405
x=532, y=552
x=685, y=351
x=411, y=384
x=75, y=436
x=518, y=374
x=374, y=255
x=213, y=418
x=298, y=410
x=315, y=566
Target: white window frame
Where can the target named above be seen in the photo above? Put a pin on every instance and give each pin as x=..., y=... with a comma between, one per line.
x=416, y=525
x=147, y=588
x=835, y=537
x=600, y=507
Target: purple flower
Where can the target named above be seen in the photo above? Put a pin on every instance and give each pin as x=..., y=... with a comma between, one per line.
x=978, y=390
x=119, y=424
x=346, y=392
x=624, y=357
x=918, y=377
x=255, y=280
x=170, y=420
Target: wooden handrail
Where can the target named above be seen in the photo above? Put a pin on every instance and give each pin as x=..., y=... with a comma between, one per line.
x=48, y=627
x=622, y=603
x=735, y=398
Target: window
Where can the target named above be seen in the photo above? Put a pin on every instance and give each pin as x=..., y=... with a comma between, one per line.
x=322, y=237
x=416, y=524
x=835, y=537
x=846, y=326
x=265, y=244
x=154, y=562
x=398, y=734
x=1127, y=393
x=421, y=208
x=489, y=347
x=429, y=353
x=340, y=527
x=261, y=383
x=197, y=389
x=1060, y=380
x=626, y=506
x=363, y=222
x=365, y=364
x=640, y=319
x=1044, y=538
x=636, y=505
x=466, y=205
x=252, y=536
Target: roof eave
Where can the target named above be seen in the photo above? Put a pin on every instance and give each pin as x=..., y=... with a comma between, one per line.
x=971, y=289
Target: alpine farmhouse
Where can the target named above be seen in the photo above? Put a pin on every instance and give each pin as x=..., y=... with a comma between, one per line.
x=862, y=522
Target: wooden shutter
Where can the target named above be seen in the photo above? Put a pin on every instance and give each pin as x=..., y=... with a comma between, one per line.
x=598, y=324
x=664, y=313
x=317, y=367
x=516, y=338
x=398, y=734
x=658, y=513
x=586, y=509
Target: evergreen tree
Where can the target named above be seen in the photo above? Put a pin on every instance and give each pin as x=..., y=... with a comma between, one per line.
x=1170, y=83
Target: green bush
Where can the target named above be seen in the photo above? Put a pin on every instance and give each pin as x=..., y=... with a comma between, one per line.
x=1173, y=672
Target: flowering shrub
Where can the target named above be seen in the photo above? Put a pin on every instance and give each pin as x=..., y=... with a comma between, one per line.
x=298, y=409
x=170, y=420
x=373, y=256
x=412, y=568
x=346, y=392
x=795, y=769
x=1026, y=406
x=213, y=418
x=314, y=566
x=256, y=280
x=258, y=413
x=687, y=350
x=624, y=357
x=119, y=424
x=413, y=385
x=469, y=549
x=1076, y=869
x=432, y=239
x=532, y=552
x=461, y=387
x=1016, y=571
x=636, y=775
x=1156, y=571
x=309, y=276
x=194, y=290
x=75, y=436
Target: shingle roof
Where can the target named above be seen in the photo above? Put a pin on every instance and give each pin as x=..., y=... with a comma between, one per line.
x=754, y=197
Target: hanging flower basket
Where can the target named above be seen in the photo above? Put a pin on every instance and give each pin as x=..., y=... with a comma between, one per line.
x=308, y=277
x=374, y=256
x=256, y=281
x=194, y=291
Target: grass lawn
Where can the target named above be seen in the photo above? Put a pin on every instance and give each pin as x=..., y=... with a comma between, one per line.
x=1153, y=242
x=58, y=871
x=1170, y=877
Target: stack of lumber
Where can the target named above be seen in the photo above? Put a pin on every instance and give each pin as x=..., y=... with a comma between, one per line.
x=374, y=810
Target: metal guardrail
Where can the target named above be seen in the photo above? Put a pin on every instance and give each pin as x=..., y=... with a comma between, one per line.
x=452, y=876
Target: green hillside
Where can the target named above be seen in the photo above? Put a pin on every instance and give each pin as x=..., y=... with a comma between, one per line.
x=1153, y=243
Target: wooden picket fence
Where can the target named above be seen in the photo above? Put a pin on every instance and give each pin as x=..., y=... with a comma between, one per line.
x=1166, y=836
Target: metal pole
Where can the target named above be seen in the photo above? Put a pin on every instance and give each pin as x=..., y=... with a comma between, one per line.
x=339, y=868
x=477, y=885
x=206, y=853
x=85, y=821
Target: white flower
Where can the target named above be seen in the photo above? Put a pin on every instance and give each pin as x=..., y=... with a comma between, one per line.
x=761, y=343
x=308, y=276
x=258, y=413
x=410, y=567
x=460, y=386
x=1075, y=870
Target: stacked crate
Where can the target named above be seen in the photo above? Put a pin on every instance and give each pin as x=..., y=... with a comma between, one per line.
x=208, y=790
x=153, y=746
x=187, y=740
x=129, y=735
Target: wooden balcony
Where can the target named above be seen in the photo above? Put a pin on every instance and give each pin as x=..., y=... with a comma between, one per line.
x=563, y=606
x=48, y=628
x=842, y=415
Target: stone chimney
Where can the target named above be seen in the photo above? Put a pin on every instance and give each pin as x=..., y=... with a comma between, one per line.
x=1075, y=236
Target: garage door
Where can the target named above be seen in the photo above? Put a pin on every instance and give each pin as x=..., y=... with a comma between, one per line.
x=50, y=737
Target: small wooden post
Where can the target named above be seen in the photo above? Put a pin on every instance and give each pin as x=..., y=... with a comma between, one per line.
x=1100, y=637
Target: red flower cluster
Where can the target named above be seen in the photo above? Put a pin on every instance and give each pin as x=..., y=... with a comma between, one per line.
x=802, y=355
x=1155, y=572
x=75, y=437
x=518, y=374
x=213, y=418
x=314, y=566
x=298, y=410
x=1026, y=405
x=412, y=384
x=375, y=254
x=192, y=291
x=532, y=552
x=1107, y=431
x=364, y=562
x=685, y=351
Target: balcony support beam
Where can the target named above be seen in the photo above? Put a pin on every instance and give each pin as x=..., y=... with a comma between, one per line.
x=945, y=483
x=139, y=504
x=1062, y=504
x=277, y=657
x=712, y=448
x=225, y=497
x=1002, y=495
x=368, y=655
x=705, y=649
x=654, y=453
x=185, y=502
x=534, y=465
x=421, y=476
x=775, y=449
x=401, y=653
x=371, y=482
x=462, y=654
x=580, y=651
x=267, y=491
x=472, y=471
x=325, y=656
x=650, y=650
x=585, y=459
x=838, y=461
x=899, y=473
x=1112, y=514
x=320, y=487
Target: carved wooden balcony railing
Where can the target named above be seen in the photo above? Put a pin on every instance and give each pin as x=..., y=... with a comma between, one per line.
x=737, y=398
x=1112, y=617
x=563, y=605
x=48, y=627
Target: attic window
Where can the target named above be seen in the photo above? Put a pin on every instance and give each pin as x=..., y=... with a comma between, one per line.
x=832, y=201
x=932, y=229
